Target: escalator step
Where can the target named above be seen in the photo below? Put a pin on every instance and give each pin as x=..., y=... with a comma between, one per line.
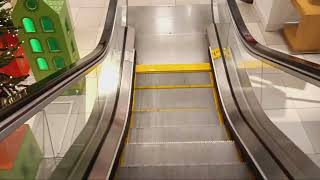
x=174, y=98
x=165, y=119
x=169, y=79
x=226, y=171
x=178, y=134
x=180, y=154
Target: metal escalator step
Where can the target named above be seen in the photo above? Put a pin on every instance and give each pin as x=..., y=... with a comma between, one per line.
x=174, y=98
x=177, y=134
x=170, y=79
x=165, y=119
x=180, y=154
x=221, y=171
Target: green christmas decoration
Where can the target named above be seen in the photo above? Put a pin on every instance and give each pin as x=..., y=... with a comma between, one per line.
x=49, y=42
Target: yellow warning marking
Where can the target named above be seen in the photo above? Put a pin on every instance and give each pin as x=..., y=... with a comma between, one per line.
x=216, y=53
x=171, y=110
x=216, y=100
x=177, y=86
x=239, y=155
x=133, y=104
x=173, y=68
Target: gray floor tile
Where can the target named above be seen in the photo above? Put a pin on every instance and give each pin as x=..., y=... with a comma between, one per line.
x=313, y=131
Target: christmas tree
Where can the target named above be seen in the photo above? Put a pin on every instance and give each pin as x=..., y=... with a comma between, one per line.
x=7, y=28
x=11, y=88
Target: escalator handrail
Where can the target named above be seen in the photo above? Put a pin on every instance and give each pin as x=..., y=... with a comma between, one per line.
x=302, y=68
x=45, y=91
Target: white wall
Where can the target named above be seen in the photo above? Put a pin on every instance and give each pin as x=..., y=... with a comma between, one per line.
x=274, y=13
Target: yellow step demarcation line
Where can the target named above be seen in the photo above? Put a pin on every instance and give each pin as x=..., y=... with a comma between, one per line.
x=172, y=68
x=176, y=86
x=216, y=100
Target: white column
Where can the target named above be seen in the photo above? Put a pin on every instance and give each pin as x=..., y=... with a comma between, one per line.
x=275, y=13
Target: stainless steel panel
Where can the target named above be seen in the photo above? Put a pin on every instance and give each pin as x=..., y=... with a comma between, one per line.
x=171, y=35
x=227, y=171
x=182, y=154
x=172, y=49
x=177, y=134
x=174, y=98
x=179, y=118
x=170, y=20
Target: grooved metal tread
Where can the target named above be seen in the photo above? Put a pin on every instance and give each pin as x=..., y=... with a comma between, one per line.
x=177, y=134
x=169, y=79
x=180, y=153
x=176, y=118
x=174, y=98
x=221, y=171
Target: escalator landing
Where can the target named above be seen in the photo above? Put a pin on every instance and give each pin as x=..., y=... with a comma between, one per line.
x=170, y=34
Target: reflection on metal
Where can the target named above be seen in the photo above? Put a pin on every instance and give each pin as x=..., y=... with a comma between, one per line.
x=109, y=151
x=173, y=68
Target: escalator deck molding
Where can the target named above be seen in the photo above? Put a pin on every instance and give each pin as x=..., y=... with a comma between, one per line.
x=172, y=68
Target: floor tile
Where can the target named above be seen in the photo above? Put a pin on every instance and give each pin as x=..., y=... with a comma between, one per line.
x=315, y=158
x=87, y=18
x=86, y=39
x=312, y=57
x=272, y=38
x=312, y=129
x=309, y=115
x=303, y=94
x=151, y=2
x=288, y=121
x=274, y=93
x=248, y=13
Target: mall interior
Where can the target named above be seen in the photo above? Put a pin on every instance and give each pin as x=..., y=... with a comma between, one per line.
x=159, y=89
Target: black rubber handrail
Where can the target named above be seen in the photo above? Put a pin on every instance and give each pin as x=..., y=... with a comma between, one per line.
x=304, y=69
x=43, y=92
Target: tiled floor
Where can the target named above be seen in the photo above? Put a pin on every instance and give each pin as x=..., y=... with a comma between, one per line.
x=88, y=18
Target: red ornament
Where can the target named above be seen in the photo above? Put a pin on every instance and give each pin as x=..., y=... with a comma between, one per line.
x=20, y=66
x=9, y=40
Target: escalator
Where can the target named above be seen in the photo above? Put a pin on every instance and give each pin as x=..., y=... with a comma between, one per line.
x=176, y=128
x=177, y=131
x=165, y=98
